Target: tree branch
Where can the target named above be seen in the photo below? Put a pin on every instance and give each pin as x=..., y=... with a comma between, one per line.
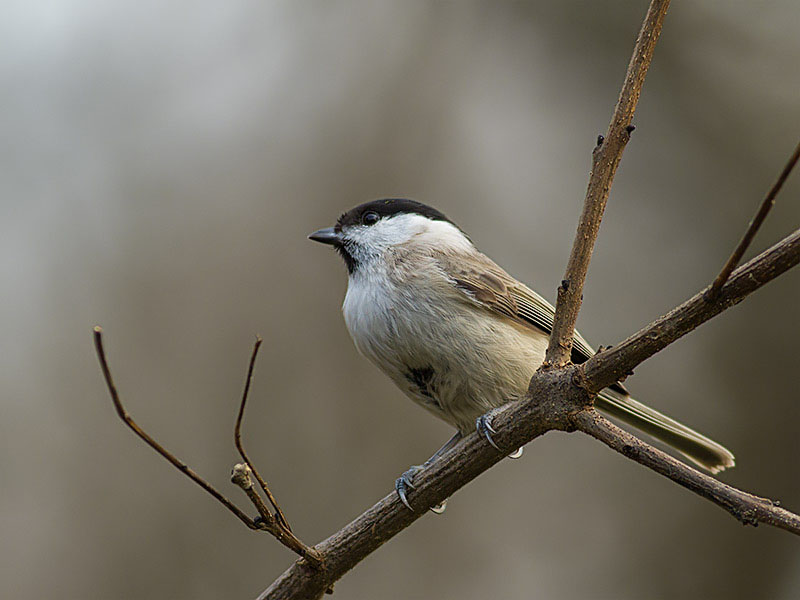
x=618, y=362
x=177, y=463
x=556, y=401
x=750, y=233
x=605, y=160
x=472, y=455
x=276, y=524
x=237, y=439
x=747, y=508
x=241, y=474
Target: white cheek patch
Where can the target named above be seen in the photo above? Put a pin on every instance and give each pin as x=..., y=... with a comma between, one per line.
x=400, y=229
x=393, y=231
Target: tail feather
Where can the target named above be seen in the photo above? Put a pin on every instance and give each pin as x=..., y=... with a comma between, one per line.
x=695, y=446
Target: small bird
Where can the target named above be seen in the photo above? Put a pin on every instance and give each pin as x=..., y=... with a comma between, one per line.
x=455, y=332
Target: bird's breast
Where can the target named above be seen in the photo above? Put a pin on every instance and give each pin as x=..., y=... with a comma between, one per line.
x=455, y=359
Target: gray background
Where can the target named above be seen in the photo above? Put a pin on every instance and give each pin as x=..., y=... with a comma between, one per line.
x=162, y=164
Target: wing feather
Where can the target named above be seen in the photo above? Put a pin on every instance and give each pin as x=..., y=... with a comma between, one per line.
x=483, y=282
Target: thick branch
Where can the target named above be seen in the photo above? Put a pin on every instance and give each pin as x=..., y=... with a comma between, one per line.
x=554, y=402
x=747, y=508
x=616, y=363
x=516, y=425
x=605, y=160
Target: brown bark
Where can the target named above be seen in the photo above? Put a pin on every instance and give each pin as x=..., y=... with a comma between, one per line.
x=605, y=160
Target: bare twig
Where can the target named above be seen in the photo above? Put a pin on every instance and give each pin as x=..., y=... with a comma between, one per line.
x=241, y=476
x=747, y=508
x=237, y=438
x=747, y=239
x=268, y=522
x=275, y=524
x=178, y=464
x=605, y=159
x=617, y=362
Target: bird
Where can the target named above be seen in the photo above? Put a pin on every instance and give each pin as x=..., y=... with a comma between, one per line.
x=458, y=334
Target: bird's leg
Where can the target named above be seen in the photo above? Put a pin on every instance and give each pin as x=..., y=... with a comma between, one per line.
x=483, y=425
x=405, y=481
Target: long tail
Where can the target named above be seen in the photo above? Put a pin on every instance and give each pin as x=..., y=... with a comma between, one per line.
x=696, y=447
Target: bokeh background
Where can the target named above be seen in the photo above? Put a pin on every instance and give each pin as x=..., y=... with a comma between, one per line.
x=162, y=164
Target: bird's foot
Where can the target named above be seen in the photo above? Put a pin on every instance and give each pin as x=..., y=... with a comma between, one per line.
x=483, y=425
x=405, y=482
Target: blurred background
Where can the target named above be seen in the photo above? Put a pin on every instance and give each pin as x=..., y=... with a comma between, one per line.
x=162, y=165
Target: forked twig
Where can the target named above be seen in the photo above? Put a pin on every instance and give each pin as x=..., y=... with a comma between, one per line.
x=237, y=438
x=241, y=472
x=176, y=462
x=750, y=233
x=269, y=522
x=275, y=524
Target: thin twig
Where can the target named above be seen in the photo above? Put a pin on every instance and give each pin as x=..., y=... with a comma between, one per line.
x=747, y=239
x=177, y=463
x=747, y=508
x=277, y=525
x=617, y=362
x=241, y=477
x=237, y=438
x=605, y=160
x=283, y=535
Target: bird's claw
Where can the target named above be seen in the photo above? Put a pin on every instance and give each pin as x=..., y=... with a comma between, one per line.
x=404, y=483
x=483, y=425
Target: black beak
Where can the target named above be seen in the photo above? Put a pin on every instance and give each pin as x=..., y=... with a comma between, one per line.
x=326, y=236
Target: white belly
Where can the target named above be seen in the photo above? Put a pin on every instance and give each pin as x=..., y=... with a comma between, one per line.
x=457, y=363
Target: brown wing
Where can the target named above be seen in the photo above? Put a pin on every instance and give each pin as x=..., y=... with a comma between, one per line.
x=485, y=283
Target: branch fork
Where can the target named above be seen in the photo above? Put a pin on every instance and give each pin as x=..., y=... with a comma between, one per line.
x=275, y=524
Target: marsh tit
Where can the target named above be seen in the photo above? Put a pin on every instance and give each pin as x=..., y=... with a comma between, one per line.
x=455, y=332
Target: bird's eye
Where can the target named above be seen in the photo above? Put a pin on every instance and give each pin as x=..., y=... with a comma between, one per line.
x=370, y=218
